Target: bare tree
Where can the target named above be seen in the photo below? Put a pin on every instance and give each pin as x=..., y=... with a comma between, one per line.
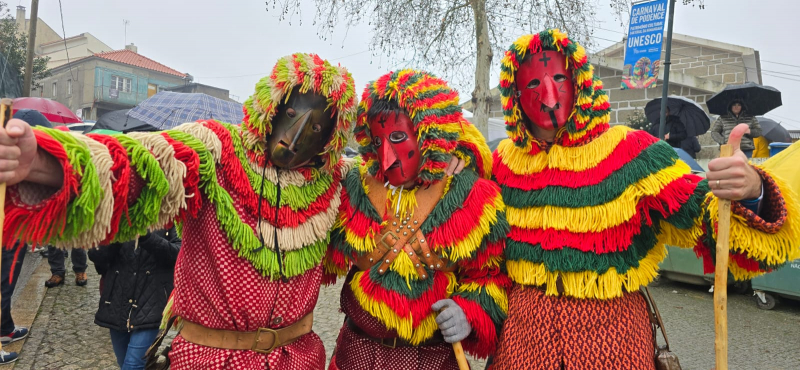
x=457, y=39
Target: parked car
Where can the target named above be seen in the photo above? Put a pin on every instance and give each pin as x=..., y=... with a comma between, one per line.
x=81, y=126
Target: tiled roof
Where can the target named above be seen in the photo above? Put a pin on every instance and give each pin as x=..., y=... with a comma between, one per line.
x=137, y=60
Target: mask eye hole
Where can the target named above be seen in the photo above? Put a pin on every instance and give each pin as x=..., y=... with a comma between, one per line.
x=377, y=141
x=316, y=127
x=560, y=78
x=291, y=112
x=398, y=137
x=533, y=84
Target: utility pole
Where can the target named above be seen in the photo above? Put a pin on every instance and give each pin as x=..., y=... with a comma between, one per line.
x=26, y=88
x=667, y=62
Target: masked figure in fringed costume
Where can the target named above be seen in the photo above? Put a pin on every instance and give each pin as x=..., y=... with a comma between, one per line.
x=423, y=249
x=592, y=207
x=256, y=204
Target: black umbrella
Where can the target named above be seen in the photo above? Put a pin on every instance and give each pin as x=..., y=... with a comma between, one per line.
x=33, y=118
x=758, y=99
x=773, y=131
x=693, y=116
x=119, y=120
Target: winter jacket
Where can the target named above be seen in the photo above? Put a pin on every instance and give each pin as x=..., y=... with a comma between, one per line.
x=136, y=282
x=676, y=130
x=724, y=125
x=691, y=145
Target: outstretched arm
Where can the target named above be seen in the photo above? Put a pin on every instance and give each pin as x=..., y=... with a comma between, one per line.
x=763, y=234
x=89, y=190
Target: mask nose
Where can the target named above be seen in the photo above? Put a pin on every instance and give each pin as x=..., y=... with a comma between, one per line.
x=388, y=156
x=549, y=92
x=296, y=131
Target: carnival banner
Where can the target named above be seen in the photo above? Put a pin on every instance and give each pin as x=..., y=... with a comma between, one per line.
x=643, y=47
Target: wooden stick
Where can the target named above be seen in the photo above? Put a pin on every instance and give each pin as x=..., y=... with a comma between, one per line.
x=460, y=357
x=5, y=115
x=721, y=277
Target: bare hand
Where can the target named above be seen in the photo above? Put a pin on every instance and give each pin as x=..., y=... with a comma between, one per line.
x=17, y=151
x=666, y=137
x=455, y=166
x=732, y=177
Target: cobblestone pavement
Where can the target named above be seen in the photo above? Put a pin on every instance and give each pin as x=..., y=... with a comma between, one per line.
x=65, y=337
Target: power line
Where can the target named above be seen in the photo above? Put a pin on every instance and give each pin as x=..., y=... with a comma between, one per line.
x=66, y=49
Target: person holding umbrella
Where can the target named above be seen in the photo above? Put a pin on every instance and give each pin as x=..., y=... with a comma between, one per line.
x=737, y=114
x=685, y=121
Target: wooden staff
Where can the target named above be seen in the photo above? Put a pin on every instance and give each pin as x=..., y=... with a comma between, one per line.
x=5, y=115
x=721, y=277
x=460, y=357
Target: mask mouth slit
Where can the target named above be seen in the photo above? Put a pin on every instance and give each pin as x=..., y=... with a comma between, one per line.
x=293, y=149
x=394, y=165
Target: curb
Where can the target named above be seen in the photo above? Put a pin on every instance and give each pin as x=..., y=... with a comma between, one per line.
x=25, y=307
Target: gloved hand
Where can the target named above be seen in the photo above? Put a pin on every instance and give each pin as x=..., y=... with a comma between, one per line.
x=451, y=320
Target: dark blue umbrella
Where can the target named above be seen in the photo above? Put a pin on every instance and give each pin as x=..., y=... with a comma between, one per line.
x=773, y=131
x=33, y=117
x=693, y=117
x=689, y=160
x=119, y=120
x=168, y=109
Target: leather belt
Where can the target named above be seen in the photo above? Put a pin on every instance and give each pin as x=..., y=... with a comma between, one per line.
x=394, y=342
x=263, y=340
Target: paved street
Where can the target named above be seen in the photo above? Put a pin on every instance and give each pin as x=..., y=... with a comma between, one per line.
x=64, y=335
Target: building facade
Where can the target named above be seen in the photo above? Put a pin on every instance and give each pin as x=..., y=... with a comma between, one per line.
x=193, y=88
x=103, y=82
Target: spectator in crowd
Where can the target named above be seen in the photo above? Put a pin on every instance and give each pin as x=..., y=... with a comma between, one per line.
x=136, y=282
x=12, y=260
x=761, y=145
x=677, y=135
x=57, y=258
x=737, y=113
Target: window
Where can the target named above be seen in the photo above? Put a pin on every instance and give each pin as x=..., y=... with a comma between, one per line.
x=69, y=87
x=121, y=83
x=55, y=88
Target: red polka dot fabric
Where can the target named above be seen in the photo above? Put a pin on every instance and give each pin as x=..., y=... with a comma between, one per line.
x=355, y=352
x=217, y=289
x=554, y=333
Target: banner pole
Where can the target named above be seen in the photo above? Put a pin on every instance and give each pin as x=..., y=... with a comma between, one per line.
x=667, y=62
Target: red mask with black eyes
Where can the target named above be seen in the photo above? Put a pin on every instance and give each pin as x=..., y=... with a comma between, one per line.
x=394, y=139
x=545, y=89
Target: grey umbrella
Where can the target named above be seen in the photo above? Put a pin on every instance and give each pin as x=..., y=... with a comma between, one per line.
x=691, y=114
x=758, y=99
x=773, y=131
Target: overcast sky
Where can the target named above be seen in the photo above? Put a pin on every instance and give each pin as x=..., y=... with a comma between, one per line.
x=231, y=44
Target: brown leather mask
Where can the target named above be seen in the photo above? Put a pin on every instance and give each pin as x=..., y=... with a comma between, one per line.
x=301, y=128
